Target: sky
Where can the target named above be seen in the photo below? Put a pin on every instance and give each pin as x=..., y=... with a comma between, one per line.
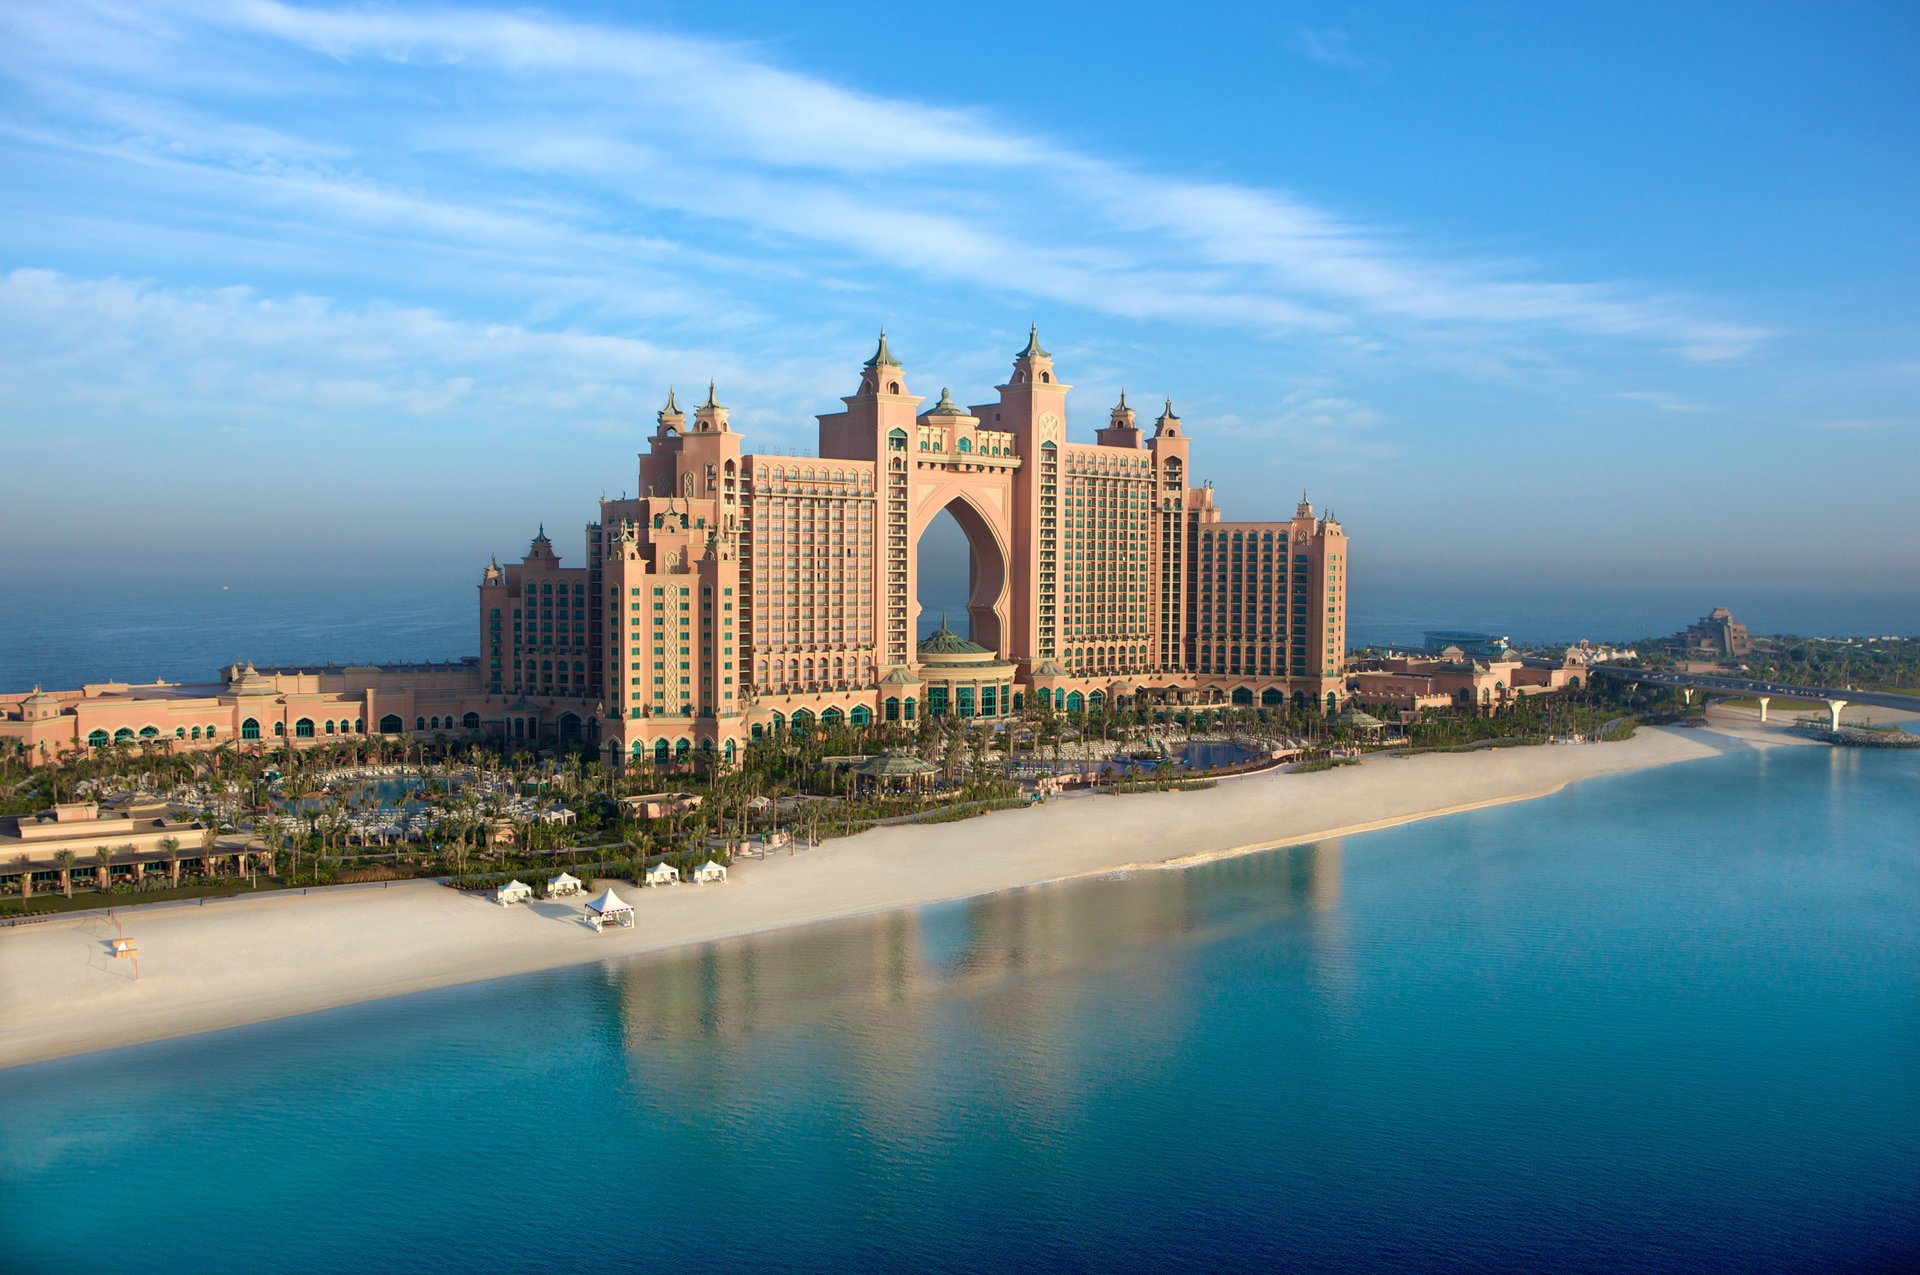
x=1620, y=293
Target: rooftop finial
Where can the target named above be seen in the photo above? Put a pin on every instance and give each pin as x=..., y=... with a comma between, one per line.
x=672, y=408
x=1123, y=396
x=882, y=356
x=1033, y=350
x=711, y=400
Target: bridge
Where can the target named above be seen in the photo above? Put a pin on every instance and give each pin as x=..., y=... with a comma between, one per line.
x=1712, y=684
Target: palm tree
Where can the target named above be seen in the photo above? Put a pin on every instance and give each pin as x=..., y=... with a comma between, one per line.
x=170, y=846
x=21, y=863
x=103, y=868
x=66, y=860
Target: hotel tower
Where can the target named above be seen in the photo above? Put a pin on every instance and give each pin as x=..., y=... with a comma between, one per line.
x=742, y=593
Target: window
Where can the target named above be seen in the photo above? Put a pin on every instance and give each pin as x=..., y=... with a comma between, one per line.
x=303, y=729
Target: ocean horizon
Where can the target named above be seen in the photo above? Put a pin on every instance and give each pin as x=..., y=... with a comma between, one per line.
x=1658, y=1021
x=186, y=631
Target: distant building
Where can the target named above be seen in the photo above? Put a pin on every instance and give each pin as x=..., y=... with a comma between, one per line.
x=1716, y=634
x=1412, y=684
x=1455, y=644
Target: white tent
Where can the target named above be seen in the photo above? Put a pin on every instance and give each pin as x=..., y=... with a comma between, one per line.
x=660, y=874
x=565, y=883
x=608, y=909
x=515, y=891
x=709, y=871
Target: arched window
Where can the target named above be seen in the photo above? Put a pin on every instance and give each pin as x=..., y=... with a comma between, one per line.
x=662, y=752
x=303, y=728
x=279, y=728
x=391, y=724
x=893, y=387
x=965, y=445
x=1074, y=703
x=419, y=723
x=830, y=717
x=908, y=708
x=681, y=748
x=728, y=752
x=861, y=715
x=149, y=732
x=897, y=440
x=212, y=731
x=180, y=732
x=326, y=727
x=891, y=709
x=471, y=721
x=97, y=739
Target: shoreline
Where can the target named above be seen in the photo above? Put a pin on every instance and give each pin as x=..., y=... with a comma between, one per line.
x=254, y=959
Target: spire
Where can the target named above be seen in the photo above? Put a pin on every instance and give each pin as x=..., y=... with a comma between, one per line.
x=882, y=356
x=711, y=400
x=1123, y=396
x=671, y=416
x=1033, y=350
x=1303, y=509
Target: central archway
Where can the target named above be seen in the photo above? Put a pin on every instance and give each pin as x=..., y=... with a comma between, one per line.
x=987, y=574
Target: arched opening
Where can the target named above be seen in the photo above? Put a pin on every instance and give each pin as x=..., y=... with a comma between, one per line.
x=1242, y=697
x=1272, y=698
x=1074, y=703
x=471, y=721
x=97, y=739
x=861, y=715
x=569, y=726
x=662, y=752
x=961, y=570
x=303, y=728
x=389, y=725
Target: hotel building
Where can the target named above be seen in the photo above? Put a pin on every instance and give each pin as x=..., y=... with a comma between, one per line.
x=744, y=593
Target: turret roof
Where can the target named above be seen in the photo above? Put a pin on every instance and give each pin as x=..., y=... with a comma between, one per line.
x=882, y=356
x=1033, y=350
x=946, y=406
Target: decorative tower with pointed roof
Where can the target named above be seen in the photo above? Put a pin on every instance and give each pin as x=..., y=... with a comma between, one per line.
x=1122, y=428
x=882, y=374
x=1167, y=424
x=710, y=416
x=1033, y=365
x=670, y=417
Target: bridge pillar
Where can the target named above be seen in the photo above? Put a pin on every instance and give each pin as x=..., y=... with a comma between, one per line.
x=1764, y=701
x=1834, y=706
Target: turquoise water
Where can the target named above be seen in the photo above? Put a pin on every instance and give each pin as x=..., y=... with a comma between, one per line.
x=1667, y=1021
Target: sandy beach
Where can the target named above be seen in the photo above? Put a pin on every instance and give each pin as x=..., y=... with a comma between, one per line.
x=243, y=960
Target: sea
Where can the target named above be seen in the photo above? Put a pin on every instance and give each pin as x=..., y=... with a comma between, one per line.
x=63, y=635
x=1661, y=1021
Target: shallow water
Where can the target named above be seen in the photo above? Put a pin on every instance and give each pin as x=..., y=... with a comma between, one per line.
x=1666, y=1021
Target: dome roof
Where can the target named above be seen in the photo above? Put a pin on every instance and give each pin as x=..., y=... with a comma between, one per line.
x=944, y=641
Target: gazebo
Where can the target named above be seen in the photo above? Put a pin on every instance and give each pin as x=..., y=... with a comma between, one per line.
x=709, y=873
x=1359, y=721
x=660, y=874
x=515, y=891
x=609, y=909
x=565, y=883
x=896, y=772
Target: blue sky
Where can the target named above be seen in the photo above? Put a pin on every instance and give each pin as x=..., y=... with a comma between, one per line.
x=1625, y=294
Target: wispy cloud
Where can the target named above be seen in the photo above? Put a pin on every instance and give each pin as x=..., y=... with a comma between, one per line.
x=1665, y=402
x=1330, y=46
x=678, y=166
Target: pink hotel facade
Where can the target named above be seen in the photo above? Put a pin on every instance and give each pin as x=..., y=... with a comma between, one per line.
x=744, y=594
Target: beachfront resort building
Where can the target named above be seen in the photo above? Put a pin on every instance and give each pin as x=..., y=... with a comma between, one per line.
x=742, y=594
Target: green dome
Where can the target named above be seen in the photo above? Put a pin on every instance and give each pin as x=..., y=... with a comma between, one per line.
x=944, y=641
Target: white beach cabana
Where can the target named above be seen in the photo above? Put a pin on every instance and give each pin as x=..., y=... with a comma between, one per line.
x=709, y=872
x=660, y=874
x=609, y=909
x=515, y=891
x=564, y=884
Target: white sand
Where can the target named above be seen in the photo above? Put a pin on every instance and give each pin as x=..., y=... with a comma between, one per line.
x=244, y=960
